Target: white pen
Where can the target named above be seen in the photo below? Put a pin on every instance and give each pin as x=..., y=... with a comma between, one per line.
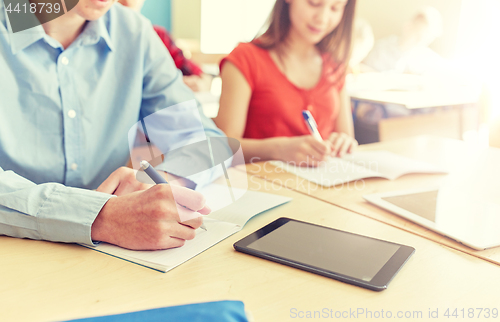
x=311, y=124
x=158, y=179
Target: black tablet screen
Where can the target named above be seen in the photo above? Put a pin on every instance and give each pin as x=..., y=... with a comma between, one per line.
x=336, y=251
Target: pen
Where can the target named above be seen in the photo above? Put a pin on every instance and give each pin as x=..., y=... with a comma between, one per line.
x=311, y=124
x=157, y=178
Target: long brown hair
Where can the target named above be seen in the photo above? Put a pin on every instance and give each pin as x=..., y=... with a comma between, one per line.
x=337, y=43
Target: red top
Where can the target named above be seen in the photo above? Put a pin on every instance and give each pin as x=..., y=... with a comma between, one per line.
x=276, y=105
x=181, y=62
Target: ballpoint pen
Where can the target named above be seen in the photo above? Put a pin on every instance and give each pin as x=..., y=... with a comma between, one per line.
x=311, y=124
x=158, y=179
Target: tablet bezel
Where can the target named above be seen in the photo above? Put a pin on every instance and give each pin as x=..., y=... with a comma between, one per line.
x=378, y=283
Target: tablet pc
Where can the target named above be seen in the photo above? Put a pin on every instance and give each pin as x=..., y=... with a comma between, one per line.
x=344, y=256
x=473, y=223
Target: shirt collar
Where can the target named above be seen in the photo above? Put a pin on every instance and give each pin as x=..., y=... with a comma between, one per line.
x=24, y=38
x=96, y=30
x=93, y=32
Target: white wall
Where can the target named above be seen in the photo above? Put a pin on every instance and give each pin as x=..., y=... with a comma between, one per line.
x=219, y=25
x=186, y=19
x=386, y=17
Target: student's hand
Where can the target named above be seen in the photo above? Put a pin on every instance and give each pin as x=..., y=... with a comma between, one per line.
x=121, y=182
x=150, y=219
x=124, y=180
x=302, y=150
x=341, y=144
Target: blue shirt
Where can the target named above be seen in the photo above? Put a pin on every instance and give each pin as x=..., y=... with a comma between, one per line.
x=65, y=116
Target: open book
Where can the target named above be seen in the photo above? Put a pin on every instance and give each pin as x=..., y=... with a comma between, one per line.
x=360, y=165
x=227, y=218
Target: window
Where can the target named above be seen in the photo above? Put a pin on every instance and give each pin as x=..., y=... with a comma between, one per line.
x=225, y=23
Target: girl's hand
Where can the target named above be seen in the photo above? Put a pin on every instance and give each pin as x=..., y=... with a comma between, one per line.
x=341, y=144
x=302, y=150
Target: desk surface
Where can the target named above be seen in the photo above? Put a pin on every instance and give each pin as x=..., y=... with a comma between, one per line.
x=418, y=99
x=43, y=281
x=439, y=151
x=412, y=91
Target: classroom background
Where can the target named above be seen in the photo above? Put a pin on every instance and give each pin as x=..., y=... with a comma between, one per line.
x=442, y=118
x=462, y=104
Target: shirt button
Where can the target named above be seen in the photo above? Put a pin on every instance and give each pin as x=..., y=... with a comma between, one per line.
x=65, y=60
x=72, y=113
x=74, y=166
x=310, y=108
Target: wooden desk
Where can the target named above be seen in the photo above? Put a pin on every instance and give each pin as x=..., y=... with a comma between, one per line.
x=414, y=93
x=440, y=151
x=419, y=99
x=43, y=281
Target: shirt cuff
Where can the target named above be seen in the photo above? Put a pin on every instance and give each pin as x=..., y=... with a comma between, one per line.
x=68, y=213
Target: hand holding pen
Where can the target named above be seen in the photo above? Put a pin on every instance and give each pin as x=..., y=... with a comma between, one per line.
x=190, y=206
x=322, y=148
x=144, y=217
x=339, y=143
x=305, y=150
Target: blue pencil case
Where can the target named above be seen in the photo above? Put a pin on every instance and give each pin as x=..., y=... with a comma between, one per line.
x=222, y=311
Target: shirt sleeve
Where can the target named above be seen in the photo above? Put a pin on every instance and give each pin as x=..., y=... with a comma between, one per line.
x=173, y=119
x=243, y=57
x=48, y=211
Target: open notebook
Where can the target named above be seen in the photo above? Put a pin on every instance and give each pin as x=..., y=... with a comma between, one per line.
x=227, y=218
x=360, y=165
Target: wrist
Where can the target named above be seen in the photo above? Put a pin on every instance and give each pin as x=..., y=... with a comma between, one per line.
x=274, y=148
x=98, y=231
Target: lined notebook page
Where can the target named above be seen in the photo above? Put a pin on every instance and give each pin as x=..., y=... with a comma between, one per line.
x=227, y=218
x=165, y=260
x=248, y=205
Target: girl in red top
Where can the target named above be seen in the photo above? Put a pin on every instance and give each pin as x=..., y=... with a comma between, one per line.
x=298, y=64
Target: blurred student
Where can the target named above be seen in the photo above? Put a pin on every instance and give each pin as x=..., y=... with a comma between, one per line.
x=299, y=63
x=193, y=75
x=410, y=52
x=362, y=43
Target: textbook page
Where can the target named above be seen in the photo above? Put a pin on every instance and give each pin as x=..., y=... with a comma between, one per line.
x=390, y=165
x=360, y=165
x=227, y=218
